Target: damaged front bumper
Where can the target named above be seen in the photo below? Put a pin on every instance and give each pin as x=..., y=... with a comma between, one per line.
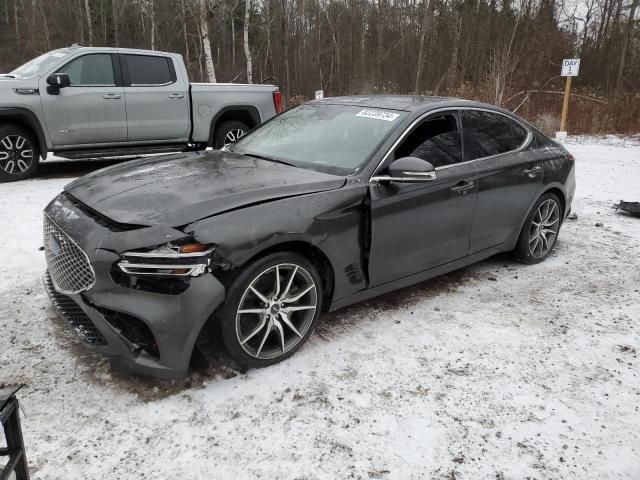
x=147, y=327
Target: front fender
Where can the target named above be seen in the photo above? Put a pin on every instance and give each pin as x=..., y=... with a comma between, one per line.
x=27, y=117
x=332, y=222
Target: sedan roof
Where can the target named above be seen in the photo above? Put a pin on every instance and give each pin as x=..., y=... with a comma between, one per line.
x=408, y=103
x=393, y=102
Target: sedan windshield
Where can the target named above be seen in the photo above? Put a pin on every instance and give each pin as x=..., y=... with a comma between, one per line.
x=39, y=65
x=337, y=139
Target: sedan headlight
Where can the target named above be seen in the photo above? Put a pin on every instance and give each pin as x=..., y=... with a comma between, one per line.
x=186, y=260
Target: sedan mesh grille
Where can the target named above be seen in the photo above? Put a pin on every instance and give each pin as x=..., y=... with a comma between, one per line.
x=74, y=315
x=68, y=265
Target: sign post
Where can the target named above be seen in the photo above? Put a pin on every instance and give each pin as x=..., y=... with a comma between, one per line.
x=570, y=68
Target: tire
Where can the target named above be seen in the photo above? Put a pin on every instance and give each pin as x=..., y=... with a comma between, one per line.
x=535, y=241
x=226, y=130
x=265, y=336
x=19, y=153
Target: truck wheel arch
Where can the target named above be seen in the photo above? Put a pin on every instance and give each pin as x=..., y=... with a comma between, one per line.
x=26, y=119
x=247, y=114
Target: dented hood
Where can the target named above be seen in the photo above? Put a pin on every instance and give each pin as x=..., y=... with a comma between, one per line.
x=179, y=189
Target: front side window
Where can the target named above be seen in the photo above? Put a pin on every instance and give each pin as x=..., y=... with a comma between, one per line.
x=436, y=140
x=336, y=139
x=148, y=70
x=487, y=134
x=95, y=69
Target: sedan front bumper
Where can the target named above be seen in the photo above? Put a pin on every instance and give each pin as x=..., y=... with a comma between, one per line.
x=141, y=331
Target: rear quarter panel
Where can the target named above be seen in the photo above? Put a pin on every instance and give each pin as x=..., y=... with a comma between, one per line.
x=210, y=98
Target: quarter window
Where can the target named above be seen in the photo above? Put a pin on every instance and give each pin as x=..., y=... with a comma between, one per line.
x=94, y=69
x=436, y=140
x=149, y=70
x=487, y=134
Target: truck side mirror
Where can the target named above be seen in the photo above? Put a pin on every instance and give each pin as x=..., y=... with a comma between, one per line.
x=56, y=81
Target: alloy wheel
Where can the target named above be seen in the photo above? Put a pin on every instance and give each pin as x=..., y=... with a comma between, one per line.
x=16, y=154
x=544, y=228
x=233, y=136
x=276, y=311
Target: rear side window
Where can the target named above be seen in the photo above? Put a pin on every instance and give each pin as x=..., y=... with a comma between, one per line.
x=487, y=134
x=95, y=69
x=149, y=70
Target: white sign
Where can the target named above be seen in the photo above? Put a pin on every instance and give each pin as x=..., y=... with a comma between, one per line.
x=570, y=67
x=319, y=94
x=378, y=115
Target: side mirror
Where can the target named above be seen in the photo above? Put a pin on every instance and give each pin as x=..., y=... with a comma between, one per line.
x=409, y=170
x=56, y=81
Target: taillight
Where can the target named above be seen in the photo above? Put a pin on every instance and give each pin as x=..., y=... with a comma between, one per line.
x=277, y=101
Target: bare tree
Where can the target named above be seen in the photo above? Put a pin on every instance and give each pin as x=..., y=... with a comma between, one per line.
x=89, y=22
x=247, y=50
x=204, y=32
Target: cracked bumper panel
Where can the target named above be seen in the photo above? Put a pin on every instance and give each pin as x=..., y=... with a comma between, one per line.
x=126, y=317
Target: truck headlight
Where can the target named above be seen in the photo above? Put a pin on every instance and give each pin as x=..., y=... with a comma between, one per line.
x=186, y=260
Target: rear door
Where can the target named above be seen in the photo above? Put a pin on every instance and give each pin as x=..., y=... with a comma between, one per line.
x=418, y=226
x=509, y=175
x=157, y=99
x=92, y=109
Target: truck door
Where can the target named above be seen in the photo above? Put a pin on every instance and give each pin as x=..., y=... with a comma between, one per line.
x=157, y=100
x=91, y=110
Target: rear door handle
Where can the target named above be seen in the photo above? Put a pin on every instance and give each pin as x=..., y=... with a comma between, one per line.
x=534, y=171
x=111, y=96
x=176, y=95
x=463, y=187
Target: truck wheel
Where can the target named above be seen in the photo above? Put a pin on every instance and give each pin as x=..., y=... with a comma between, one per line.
x=19, y=153
x=228, y=132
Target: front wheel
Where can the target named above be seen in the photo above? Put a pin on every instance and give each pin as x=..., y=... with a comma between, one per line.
x=271, y=309
x=540, y=231
x=19, y=154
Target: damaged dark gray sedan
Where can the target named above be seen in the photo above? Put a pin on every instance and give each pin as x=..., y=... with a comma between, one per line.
x=330, y=203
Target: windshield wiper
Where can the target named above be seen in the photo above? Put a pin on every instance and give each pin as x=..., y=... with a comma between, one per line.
x=270, y=159
x=7, y=75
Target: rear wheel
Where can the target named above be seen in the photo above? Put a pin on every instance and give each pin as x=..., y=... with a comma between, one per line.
x=540, y=231
x=271, y=309
x=19, y=154
x=228, y=133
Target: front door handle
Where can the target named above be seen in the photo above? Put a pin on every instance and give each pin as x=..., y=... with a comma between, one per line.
x=111, y=96
x=176, y=95
x=533, y=172
x=463, y=187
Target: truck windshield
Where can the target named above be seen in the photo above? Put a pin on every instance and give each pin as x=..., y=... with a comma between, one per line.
x=337, y=139
x=39, y=65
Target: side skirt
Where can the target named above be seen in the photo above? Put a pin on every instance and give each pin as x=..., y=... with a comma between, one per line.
x=415, y=278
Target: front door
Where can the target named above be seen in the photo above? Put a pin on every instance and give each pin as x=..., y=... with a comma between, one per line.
x=157, y=99
x=92, y=109
x=418, y=226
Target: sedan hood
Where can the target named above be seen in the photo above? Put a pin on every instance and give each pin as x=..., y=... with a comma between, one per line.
x=179, y=189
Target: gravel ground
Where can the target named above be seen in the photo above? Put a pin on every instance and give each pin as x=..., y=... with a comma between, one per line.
x=496, y=371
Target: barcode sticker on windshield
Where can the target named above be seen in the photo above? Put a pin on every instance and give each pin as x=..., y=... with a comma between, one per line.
x=378, y=115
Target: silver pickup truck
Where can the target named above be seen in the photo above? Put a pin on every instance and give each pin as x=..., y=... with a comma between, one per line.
x=81, y=102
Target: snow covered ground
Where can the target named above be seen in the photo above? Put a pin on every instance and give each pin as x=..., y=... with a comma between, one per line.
x=497, y=371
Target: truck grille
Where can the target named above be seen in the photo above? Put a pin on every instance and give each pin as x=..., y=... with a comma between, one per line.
x=74, y=315
x=68, y=265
